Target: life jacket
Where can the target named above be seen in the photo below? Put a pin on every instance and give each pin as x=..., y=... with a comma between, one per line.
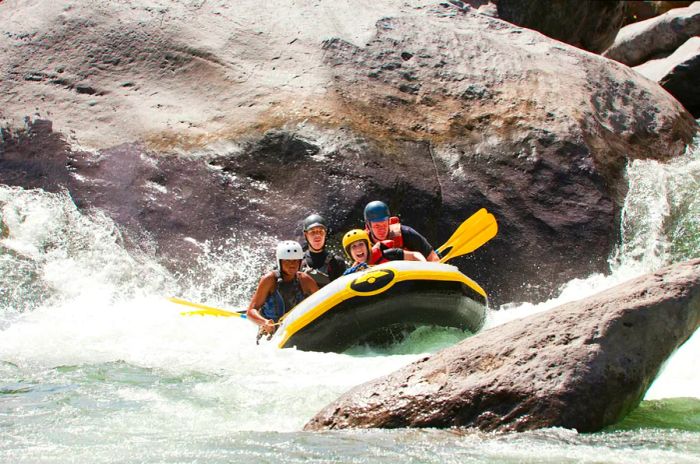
x=321, y=275
x=285, y=296
x=394, y=238
x=376, y=255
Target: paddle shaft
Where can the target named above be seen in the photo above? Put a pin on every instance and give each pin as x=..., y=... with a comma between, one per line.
x=205, y=310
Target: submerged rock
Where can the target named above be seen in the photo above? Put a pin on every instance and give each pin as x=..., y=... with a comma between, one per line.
x=583, y=365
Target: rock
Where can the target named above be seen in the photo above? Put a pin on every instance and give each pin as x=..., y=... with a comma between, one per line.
x=552, y=171
x=583, y=365
x=34, y=162
x=438, y=110
x=645, y=40
x=678, y=74
x=636, y=11
x=588, y=25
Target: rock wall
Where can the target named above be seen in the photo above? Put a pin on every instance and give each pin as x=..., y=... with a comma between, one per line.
x=591, y=26
x=206, y=119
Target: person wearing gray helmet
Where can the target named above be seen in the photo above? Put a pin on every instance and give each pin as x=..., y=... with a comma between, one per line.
x=321, y=265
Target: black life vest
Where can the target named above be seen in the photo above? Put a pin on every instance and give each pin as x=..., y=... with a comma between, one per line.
x=285, y=296
x=321, y=274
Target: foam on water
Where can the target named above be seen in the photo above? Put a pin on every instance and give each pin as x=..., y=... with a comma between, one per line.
x=89, y=341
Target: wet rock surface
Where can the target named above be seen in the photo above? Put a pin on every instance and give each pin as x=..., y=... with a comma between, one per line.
x=583, y=365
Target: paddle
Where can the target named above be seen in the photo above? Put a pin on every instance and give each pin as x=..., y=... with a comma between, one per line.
x=478, y=229
x=206, y=310
x=463, y=227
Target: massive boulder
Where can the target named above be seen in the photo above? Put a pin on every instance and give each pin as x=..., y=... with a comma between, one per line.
x=201, y=120
x=655, y=37
x=583, y=365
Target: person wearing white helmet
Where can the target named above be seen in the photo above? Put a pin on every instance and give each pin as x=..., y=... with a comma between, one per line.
x=280, y=290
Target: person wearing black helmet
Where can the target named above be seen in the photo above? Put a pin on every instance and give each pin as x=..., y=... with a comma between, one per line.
x=321, y=265
x=386, y=231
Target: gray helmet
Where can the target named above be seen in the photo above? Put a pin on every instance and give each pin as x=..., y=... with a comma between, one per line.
x=314, y=220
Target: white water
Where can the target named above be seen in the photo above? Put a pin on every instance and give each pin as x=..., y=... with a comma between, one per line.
x=92, y=356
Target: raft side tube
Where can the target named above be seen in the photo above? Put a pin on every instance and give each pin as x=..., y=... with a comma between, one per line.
x=399, y=293
x=406, y=304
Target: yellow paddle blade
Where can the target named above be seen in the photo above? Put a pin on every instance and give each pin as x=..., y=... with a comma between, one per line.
x=474, y=237
x=469, y=224
x=205, y=310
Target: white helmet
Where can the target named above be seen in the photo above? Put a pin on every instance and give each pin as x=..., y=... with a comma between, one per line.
x=289, y=249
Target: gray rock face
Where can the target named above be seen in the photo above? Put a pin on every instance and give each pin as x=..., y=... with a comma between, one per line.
x=678, y=74
x=204, y=119
x=553, y=171
x=583, y=365
x=645, y=40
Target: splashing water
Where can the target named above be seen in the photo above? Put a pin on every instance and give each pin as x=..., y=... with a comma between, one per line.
x=97, y=366
x=660, y=226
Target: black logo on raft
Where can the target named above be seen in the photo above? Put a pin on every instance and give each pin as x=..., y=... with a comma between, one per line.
x=373, y=282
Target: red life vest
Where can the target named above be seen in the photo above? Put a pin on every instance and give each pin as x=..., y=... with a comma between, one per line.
x=394, y=238
x=376, y=255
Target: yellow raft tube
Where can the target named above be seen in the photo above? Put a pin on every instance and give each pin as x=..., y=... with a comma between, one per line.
x=399, y=294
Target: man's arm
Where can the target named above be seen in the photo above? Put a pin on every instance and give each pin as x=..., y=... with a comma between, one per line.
x=337, y=267
x=413, y=241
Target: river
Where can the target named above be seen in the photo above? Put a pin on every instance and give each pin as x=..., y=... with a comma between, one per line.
x=97, y=366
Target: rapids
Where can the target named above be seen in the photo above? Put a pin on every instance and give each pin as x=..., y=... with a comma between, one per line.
x=97, y=366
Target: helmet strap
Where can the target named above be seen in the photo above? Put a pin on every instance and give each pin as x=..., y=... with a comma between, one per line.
x=372, y=238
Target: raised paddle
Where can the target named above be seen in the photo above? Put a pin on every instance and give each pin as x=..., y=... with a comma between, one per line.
x=467, y=225
x=205, y=310
x=470, y=235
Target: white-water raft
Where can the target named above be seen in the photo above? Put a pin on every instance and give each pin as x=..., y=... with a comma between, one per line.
x=397, y=294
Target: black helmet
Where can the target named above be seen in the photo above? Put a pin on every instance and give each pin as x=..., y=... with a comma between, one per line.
x=376, y=211
x=314, y=220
